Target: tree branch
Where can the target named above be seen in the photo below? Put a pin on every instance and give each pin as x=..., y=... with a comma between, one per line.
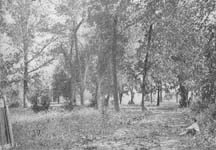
x=42, y=65
x=41, y=50
x=78, y=26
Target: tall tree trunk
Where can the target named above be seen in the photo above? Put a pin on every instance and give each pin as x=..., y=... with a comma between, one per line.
x=183, y=92
x=184, y=95
x=161, y=90
x=106, y=103
x=158, y=96
x=145, y=68
x=72, y=83
x=25, y=82
x=96, y=96
x=58, y=99
x=114, y=72
x=151, y=94
x=78, y=69
x=25, y=50
x=25, y=72
x=132, y=96
x=120, y=96
x=82, y=96
x=83, y=84
x=77, y=62
x=176, y=94
x=100, y=99
x=143, y=97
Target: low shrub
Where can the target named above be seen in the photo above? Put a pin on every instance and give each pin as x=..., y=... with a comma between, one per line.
x=40, y=103
x=69, y=106
x=93, y=103
x=206, y=115
x=15, y=104
x=198, y=106
x=45, y=102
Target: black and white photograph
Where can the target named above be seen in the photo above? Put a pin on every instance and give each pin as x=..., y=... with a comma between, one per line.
x=107, y=74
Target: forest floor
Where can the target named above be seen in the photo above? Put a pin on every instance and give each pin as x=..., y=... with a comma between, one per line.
x=86, y=129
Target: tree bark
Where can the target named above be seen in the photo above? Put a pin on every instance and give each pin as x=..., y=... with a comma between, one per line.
x=151, y=94
x=176, y=94
x=114, y=72
x=143, y=98
x=158, y=96
x=25, y=82
x=100, y=99
x=120, y=96
x=106, y=103
x=72, y=82
x=25, y=40
x=78, y=69
x=183, y=92
x=145, y=68
x=83, y=84
x=96, y=96
x=132, y=96
x=161, y=90
x=184, y=95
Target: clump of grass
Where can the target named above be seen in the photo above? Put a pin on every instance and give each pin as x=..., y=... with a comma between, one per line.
x=57, y=130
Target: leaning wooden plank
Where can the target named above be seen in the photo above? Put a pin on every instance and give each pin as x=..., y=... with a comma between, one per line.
x=7, y=132
x=2, y=126
x=9, y=125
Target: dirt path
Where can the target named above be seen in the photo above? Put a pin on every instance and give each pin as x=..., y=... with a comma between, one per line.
x=158, y=131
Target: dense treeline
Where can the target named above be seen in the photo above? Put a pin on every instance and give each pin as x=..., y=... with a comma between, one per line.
x=108, y=48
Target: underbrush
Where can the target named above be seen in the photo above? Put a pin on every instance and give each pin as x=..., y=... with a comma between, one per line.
x=64, y=129
x=206, y=115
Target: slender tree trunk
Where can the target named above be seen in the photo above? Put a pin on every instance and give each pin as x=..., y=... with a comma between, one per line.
x=72, y=82
x=120, y=97
x=183, y=92
x=145, y=68
x=78, y=69
x=74, y=97
x=114, y=72
x=143, y=98
x=176, y=94
x=184, y=96
x=132, y=96
x=82, y=92
x=25, y=84
x=151, y=94
x=25, y=73
x=100, y=99
x=58, y=99
x=106, y=103
x=82, y=97
x=83, y=85
x=158, y=96
x=96, y=96
x=25, y=51
x=161, y=90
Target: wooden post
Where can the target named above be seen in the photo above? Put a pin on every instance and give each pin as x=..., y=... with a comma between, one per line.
x=9, y=123
x=6, y=133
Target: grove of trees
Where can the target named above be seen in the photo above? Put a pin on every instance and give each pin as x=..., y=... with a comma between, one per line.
x=103, y=46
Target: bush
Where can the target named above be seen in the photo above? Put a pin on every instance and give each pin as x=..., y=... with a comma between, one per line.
x=15, y=104
x=198, y=106
x=93, y=103
x=69, y=106
x=40, y=103
x=45, y=102
x=206, y=114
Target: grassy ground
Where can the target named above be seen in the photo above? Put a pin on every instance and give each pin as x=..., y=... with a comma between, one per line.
x=87, y=129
